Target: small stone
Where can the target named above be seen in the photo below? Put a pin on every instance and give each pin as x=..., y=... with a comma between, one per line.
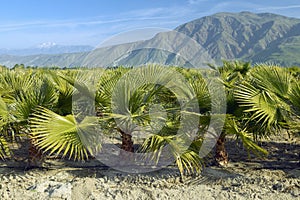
x=101, y=180
x=5, y=179
x=177, y=180
x=11, y=177
x=277, y=186
x=62, y=191
x=5, y=196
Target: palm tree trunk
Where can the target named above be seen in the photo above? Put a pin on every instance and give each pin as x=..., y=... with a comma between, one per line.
x=126, y=156
x=221, y=155
x=35, y=157
x=127, y=143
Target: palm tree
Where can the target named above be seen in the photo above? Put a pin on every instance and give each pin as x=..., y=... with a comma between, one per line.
x=186, y=151
x=26, y=89
x=13, y=86
x=4, y=134
x=57, y=130
x=265, y=95
x=231, y=74
x=61, y=111
x=25, y=94
x=294, y=98
x=123, y=103
x=270, y=101
x=133, y=96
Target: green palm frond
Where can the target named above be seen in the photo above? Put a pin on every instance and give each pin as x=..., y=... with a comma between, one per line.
x=24, y=90
x=138, y=90
x=295, y=101
x=272, y=78
x=4, y=121
x=265, y=106
x=189, y=161
x=265, y=96
x=200, y=87
x=14, y=83
x=294, y=97
x=85, y=81
x=106, y=85
x=4, y=148
x=43, y=94
x=4, y=114
x=231, y=73
x=185, y=154
x=233, y=127
x=54, y=133
x=65, y=94
x=155, y=144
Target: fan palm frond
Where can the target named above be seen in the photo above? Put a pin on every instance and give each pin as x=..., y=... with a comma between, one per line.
x=265, y=96
x=233, y=127
x=4, y=148
x=294, y=97
x=54, y=133
x=272, y=78
x=186, y=156
x=4, y=121
x=295, y=101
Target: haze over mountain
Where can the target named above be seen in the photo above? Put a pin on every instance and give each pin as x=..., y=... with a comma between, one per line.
x=47, y=48
x=244, y=36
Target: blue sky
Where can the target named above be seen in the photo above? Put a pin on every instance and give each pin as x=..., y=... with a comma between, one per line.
x=26, y=23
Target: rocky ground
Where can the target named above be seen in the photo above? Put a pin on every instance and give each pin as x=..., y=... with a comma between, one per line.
x=275, y=177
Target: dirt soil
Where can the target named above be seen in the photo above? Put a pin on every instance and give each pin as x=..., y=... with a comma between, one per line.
x=275, y=177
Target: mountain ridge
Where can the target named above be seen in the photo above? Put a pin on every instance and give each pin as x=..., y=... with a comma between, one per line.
x=242, y=35
x=46, y=48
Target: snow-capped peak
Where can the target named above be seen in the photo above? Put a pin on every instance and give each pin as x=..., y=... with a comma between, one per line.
x=47, y=45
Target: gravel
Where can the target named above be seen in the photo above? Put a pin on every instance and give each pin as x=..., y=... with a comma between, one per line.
x=213, y=183
x=275, y=177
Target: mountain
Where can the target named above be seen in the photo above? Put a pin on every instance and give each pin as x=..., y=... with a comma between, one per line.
x=246, y=36
x=167, y=48
x=61, y=60
x=47, y=48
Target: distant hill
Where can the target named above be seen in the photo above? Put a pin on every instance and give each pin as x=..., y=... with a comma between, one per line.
x=46, y=48
x=244, y=36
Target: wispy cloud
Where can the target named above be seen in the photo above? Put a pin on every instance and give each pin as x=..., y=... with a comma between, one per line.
x=228, y=6
x=100, y=27
x=279, y=7
x=192, y=2
x=151, y=14
x=58, y=24
x=145, y=12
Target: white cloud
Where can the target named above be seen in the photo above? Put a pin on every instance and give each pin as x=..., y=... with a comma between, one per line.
x=145, y=12
x=279, y=7
x=196, y=1
x=159, y=15
x=73, y=23
x=91, y=30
